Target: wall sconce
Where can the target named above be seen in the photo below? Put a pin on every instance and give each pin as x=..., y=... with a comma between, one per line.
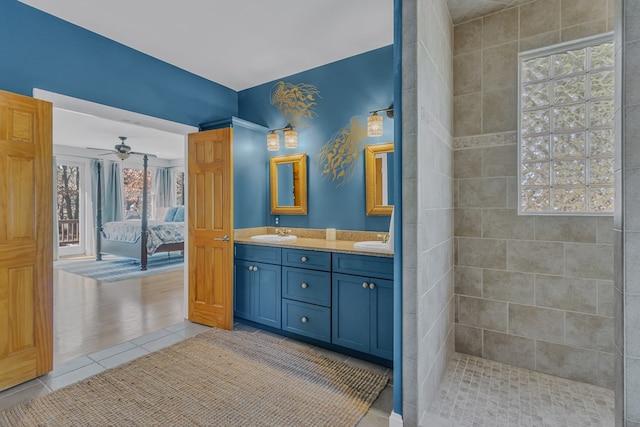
x=273, y=141
x=290, y=138
x=374, y=121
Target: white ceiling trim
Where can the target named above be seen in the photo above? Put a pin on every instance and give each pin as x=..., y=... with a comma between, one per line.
x=80, y=123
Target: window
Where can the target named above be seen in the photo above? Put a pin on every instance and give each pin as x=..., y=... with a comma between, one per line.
x=68, y=205
x=132, y=180
x=565, y=128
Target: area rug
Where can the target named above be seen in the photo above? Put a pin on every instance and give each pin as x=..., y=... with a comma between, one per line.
x=217, y=378
x=113, y=269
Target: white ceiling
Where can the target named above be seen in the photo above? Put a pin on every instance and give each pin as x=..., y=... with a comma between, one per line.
x=239, y=44
x=80, y=130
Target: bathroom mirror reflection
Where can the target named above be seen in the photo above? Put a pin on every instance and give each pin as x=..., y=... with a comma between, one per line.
x=379, y=178
x=288, y=184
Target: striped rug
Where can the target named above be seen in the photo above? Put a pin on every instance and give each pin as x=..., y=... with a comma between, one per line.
x=114, y=269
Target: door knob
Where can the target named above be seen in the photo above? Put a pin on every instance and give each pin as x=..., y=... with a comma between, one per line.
x=225, y=238
x=372, y=285
x=304, y=286
x=365, y=285
x=303, y=259
x=304, y=319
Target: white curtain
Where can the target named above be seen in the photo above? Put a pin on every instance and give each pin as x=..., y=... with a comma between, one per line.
x=56, y=235
x=163, y=187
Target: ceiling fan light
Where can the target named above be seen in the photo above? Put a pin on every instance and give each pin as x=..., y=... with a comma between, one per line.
x=122, y=156
x=273, y=141
x=374, y=125
x=290, y=138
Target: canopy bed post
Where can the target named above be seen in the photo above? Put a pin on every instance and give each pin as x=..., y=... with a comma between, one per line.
x=99, y=215
x=145, y=225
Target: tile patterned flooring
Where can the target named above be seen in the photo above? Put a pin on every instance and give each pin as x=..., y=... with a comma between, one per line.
x=481, y=392
x=86, y=366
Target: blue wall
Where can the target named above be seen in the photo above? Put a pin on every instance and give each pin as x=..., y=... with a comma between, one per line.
x=348, y=88
x=39, y=50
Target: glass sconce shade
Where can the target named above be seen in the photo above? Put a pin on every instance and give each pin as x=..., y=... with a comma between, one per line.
x=290, y=138
x=273, y=141
x=374, y=125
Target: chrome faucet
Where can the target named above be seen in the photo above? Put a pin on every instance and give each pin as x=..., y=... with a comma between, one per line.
x=384, y=237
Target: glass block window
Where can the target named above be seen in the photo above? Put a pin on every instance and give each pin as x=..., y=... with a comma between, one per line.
x=565, y=128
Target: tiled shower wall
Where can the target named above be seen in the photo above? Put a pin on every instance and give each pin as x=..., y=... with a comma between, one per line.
x=627, y=215
x=531, y=291
x=427, y=181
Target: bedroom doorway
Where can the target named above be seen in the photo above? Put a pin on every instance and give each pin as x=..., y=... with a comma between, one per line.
x=82, y=305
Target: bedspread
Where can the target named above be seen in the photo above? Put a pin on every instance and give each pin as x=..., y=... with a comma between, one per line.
x=160, y=232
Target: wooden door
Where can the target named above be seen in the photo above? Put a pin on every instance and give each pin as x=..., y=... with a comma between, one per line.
x=210, y=255
x=26, y=239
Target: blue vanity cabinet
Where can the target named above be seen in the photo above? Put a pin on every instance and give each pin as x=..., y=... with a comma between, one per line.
x=257, y=285
x=306, y=293
x=362, y=304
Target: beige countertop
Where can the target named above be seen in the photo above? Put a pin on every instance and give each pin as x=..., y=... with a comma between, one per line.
x=343, y=246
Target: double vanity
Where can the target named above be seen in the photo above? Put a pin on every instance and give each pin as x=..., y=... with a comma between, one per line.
x=331, y=288
x=326, y=292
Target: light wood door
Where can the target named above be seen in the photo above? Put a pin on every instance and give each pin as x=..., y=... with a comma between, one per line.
x=26, y=239
x=210, y=256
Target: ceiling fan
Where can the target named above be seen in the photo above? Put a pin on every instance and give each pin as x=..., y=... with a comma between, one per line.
x=122, y=150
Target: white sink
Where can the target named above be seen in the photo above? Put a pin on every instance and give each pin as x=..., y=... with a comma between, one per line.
x=273, y=238
x=373, y=245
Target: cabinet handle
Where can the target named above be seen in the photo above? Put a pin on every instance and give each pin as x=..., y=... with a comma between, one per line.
x=255, y=268
x=304, y=286
x=365, y=285
x=304, y=259
x=372, y=285
x=304, y=319
x=251, y=268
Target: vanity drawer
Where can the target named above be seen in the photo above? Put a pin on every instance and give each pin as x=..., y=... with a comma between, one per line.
x=363, y=265
x=306, y=285
x=302, y=258
x=258, y=253
x=306, y=319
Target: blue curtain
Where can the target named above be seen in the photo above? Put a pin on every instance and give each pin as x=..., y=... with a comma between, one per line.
x=164, y=195
x=114, y=202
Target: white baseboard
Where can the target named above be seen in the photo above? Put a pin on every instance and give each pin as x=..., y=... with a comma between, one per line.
x=395, y=420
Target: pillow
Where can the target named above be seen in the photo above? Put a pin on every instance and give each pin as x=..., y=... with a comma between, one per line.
x=168, y=217
x=132, y=214
x=179, y=216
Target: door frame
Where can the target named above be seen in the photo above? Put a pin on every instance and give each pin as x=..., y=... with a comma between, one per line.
x=116, y=114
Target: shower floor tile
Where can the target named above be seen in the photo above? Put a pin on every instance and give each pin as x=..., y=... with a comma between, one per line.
x=481, y=392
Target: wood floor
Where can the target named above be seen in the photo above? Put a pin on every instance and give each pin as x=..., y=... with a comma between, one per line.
x=90, y=316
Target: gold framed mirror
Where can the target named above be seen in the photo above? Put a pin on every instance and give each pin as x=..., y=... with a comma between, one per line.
x=288, y=184
x=379, y=178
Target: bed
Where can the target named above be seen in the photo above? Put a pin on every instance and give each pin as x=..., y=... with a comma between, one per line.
x=139, y=238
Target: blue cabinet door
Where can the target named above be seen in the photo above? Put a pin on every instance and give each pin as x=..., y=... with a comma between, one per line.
x=350, y=312
x=267, y=294
x=381, y=331
x=243, y=301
